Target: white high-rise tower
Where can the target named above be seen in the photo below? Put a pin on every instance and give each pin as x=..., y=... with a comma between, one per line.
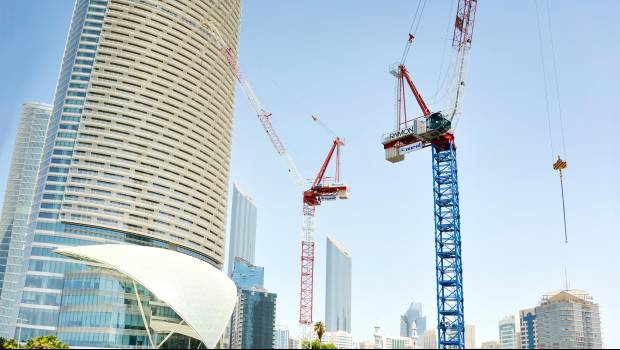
x=338, y=287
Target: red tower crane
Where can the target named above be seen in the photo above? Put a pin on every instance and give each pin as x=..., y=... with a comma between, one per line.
x=323, y=188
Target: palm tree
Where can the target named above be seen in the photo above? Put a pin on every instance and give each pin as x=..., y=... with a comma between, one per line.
x=319, y=328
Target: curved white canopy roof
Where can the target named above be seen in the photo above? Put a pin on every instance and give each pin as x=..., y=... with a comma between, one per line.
x=198, y=292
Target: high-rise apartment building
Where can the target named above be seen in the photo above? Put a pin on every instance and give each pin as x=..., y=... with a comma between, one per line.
x=566, y=319
x=253, y=321
x=413, y=314
x=281, y=338
x=338, y=287
x=137, y=151
x=242, y=238
x=19, y=196
x=508, y=332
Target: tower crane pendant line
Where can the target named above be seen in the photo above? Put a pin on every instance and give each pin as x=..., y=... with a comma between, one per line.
x=436, y=129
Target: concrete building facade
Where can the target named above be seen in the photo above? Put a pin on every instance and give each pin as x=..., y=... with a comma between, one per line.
x=568, y=319
x=242, y=236
x=493, y=344
x=565, y=319
x=428, y=340
x=341, y=339
x=137, y=149
x=470, y=336
x=338, y=287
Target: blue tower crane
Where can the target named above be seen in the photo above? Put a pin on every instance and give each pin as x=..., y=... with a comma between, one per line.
x=437, y=131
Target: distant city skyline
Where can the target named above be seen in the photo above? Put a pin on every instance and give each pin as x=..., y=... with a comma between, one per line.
x=503, y=130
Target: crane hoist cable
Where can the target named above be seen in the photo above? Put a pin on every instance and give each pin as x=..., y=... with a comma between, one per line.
x=413, y=29
x=560, y=164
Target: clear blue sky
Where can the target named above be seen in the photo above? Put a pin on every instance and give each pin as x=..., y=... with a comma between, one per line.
x=331, y=59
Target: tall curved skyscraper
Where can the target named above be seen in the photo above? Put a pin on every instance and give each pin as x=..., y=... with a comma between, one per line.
x=137, y=151
x=338, y=287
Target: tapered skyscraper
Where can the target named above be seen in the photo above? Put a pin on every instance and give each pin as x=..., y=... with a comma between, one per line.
x=137, y=151
x=338, y=287
x=19, y=195
x=242, y=228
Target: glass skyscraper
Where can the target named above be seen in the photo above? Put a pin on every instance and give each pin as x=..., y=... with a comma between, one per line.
x=413, y=314
x=137, y=151
x=242, y=228
x=19, y=198
x=338, y=287
x=253, y=322
x=246, y=275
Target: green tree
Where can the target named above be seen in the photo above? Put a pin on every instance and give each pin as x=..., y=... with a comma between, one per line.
x=316, y=344
x=319, y=328
x=46, y=342
x=8, y=343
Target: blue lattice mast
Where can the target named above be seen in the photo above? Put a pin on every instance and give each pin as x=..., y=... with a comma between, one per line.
x=449, y=268
x=436, y=129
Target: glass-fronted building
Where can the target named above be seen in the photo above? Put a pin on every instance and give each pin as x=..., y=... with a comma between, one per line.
x=19, y=199
x=242, y=238
x=246, y=275
x=338, y=287
x=253, y=321
x=413, y=315
x=137, y=151
x=508, y=332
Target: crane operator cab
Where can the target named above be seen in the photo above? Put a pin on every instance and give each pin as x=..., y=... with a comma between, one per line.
x=422, y=131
